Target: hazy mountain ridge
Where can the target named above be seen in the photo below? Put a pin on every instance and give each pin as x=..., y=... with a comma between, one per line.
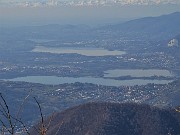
x=162, y=27
x=114, y=118
x=165, y=26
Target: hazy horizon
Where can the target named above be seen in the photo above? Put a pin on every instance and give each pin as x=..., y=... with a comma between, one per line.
x=89, y=15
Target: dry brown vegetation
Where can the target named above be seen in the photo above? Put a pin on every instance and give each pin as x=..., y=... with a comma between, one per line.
x=114, y=119
x=96, y=119
x=9, y=122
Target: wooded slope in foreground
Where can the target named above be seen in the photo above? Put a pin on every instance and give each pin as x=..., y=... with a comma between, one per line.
x=114, y=119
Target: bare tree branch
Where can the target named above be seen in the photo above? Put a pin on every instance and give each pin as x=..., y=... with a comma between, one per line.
x=8, y=114
x=21, y=106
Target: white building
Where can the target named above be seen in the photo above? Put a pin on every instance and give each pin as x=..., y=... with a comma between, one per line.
x=173, y=42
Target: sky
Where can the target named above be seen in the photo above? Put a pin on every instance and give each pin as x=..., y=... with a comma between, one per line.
x=90, y=12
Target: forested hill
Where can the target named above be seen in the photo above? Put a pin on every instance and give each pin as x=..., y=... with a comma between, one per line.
x=114, y=119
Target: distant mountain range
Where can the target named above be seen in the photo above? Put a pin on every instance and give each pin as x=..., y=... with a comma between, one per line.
x=88, y=2
x=165, y=26
x=114, y=119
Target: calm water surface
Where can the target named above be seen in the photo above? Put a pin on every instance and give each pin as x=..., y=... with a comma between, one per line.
x=100, y=81
x=81, y=51
x=138, y=73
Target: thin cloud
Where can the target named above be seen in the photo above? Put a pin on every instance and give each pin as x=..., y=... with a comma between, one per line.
x=37, y=3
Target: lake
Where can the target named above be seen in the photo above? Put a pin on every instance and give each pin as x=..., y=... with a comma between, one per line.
x=100, y=81
x=82, y=51
x=137, y=73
